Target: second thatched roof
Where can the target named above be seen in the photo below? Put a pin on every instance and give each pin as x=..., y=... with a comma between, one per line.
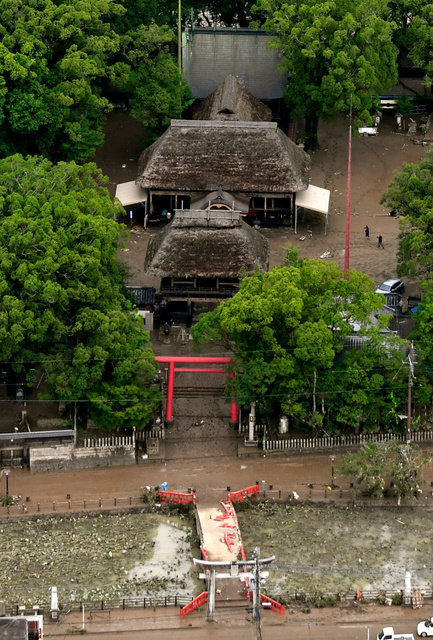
x=231, y=101
x=206, y=244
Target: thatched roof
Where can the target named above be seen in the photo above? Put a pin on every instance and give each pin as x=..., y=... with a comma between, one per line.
x=202, y=155
x=231, y=101
x=206, y=244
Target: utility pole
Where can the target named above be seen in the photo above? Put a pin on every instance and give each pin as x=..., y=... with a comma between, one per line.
x=348, y=199
x=409, y=393
x=256, y=595
x=179, y=39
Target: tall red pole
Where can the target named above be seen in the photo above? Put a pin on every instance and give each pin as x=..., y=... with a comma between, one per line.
x=349, y=179
x=233, y=407
x=170, y=391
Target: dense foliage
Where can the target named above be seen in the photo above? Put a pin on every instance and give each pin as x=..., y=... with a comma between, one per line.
x=288, y=330
x=376, y=465
x=56, y=61
x=410, y=194
x=414, y=34
x=337, y=54
x=156, y=92
x=63, y=306
x=53, y=58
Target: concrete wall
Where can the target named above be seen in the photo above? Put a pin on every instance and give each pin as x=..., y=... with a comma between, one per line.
x=67, y=457
x=210, y=55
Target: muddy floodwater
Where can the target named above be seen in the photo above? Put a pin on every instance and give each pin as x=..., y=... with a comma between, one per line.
x=103, y=557
x=339, y=550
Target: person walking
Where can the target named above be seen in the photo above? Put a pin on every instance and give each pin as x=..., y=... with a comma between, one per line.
x=380, y=242
x=367, y=232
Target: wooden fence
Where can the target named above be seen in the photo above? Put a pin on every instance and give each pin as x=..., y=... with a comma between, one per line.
x=182, y=601
x=154, y=433
x=103, y=605
x=109, y=441
x=334, y=442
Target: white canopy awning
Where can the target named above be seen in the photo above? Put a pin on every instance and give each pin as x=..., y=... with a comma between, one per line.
x=314, y=198
x=130, y=193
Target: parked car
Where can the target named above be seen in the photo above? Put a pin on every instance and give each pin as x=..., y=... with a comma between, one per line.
x=425, y=628
x=391, y=286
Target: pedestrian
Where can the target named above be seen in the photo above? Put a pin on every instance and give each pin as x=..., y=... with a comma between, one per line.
x=367, y=232
x=380, y=242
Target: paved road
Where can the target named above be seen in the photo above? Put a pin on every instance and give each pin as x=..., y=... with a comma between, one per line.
x=349, y=623
x=110, y=486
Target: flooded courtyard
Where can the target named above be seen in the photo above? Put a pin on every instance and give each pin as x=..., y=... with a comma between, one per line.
x=102, y=557
x=340, y=549
x=324, y=549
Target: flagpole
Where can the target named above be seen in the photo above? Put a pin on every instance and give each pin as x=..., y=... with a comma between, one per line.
x=179, y=38
x=349, y=181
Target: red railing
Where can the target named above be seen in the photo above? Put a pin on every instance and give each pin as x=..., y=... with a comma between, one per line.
x=238, y=496
x=176, y=497
x=275, y=606
x=267, y=602
x=194, y=604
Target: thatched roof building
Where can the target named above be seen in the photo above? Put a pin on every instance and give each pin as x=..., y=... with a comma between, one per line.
x=231, y=101
x=211, y=244
x=201, y=155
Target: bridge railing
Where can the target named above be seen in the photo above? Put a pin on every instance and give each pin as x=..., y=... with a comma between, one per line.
x=194, y=604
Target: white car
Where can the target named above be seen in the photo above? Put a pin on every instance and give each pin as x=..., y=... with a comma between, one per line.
x=425, y=629
x=391, y=286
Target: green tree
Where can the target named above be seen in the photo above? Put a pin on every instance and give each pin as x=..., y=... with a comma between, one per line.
x=420, y=38
x=53, y=59
x=157, y=92
x=336, y=54
x=375, y=464
x=287, y=330
x=410, y=195
x=229, y=12
x=63, y=306
x=367, y=466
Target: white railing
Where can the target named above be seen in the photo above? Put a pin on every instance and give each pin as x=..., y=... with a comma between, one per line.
x=110, y=441
x=154, y=433
x=258, y=428
x=332, y=442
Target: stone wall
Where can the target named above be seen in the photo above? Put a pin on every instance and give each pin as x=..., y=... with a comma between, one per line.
x=69, y=457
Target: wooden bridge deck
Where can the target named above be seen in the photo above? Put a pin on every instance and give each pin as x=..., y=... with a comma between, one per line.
x=220, y=534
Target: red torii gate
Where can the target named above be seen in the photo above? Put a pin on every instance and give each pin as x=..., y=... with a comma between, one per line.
x=173, y=360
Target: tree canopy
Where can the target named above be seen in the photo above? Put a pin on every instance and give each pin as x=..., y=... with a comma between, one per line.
x=53, y=57
x=63, y=307
x=288, y=331
x=56, y=60
x=336, y=53
x=156, y=91
x=376, y=464
x=410, y=195
x=414, y=34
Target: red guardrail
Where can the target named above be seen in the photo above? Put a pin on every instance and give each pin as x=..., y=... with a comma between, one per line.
x=265, y=600
x=176, y=497
x=275, y=606
x=238, y=496
x=194, y=604
x=204, y=553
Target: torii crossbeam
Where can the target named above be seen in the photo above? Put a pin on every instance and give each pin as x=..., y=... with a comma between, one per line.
x=174, y=360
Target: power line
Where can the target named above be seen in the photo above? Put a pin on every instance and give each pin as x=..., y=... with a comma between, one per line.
x=286, y=394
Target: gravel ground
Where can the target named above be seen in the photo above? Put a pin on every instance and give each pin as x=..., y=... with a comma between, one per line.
x=94, y=558
x=340, y=549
